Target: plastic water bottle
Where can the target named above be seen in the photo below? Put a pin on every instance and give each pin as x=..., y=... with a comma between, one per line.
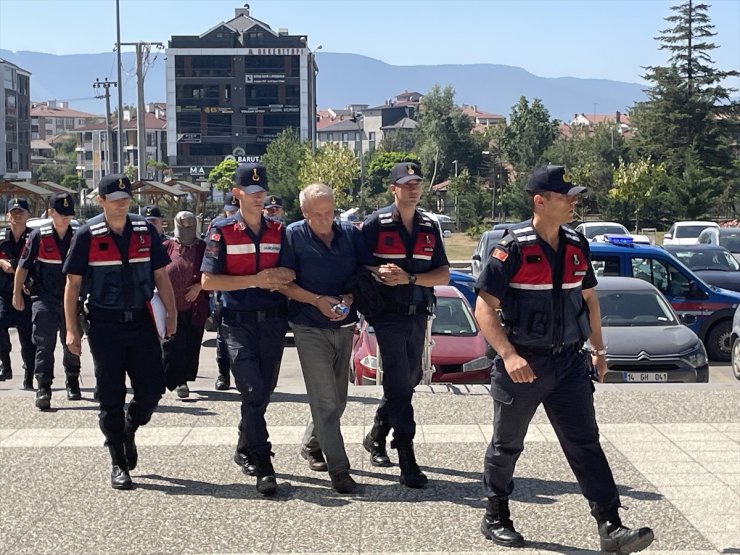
x=340, y=309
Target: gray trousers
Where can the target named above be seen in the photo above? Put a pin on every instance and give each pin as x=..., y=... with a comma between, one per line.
x=324, y=355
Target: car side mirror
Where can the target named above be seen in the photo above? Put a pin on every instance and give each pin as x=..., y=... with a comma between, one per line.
x=667, y=236
x=696, y=292
x=476, y=257
x=687, y=319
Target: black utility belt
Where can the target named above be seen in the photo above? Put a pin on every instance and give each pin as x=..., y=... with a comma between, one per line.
x=552, y=350
x=253, y=316
x=118, y=316
x=423, y=309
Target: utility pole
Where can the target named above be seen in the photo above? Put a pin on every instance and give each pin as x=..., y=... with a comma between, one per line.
x=120, y=89
x=142, y=49
x=106, y=85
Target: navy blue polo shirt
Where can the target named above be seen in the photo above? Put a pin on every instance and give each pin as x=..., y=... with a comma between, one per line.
x=12, y=250
x=321, y=269
x=214, y=260
x=31, y=253
x=79, y=251
x=370, y=231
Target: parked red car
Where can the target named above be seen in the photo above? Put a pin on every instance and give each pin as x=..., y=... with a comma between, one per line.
x=458, y=352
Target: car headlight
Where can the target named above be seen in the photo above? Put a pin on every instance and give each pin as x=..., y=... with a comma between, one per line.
x=480, y=363
x=697, y=356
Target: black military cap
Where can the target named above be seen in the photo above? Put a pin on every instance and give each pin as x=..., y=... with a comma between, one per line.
x=18, y=203
x=63, y=203
x=152, y=211
x=231, y=203
x=252, y=177
x=114, y=187
x=552, y=178
x=404, y=172
x=273, y=200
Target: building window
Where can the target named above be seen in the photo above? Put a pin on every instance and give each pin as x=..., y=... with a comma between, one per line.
x=345, y=137
x=330, y=136
x=357, y=136
x=371, y=136
x=69, y=123
x=88, y=155
x=88, y=136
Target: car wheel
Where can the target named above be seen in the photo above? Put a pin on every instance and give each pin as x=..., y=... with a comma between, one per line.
x=718, y=340
x=736, y=358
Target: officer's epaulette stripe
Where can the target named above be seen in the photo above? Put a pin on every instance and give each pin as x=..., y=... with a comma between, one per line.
x=527, y=238
x=139, y=228
x=506, y=241
x=3, y=234
x=46, y=231
x=521, y=230
x=96, y=232
x=100, y=224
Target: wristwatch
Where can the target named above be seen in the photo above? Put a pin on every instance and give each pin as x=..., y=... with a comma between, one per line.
x=412, y=279
x=599, y=352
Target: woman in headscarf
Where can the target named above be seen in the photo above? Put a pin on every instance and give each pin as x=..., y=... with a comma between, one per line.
x=182, y=351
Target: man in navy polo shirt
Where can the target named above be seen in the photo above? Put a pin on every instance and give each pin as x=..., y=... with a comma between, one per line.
x=242, y=260
x=117, y=258
x=325, y=254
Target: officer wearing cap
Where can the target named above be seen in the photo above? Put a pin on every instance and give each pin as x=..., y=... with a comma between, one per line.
x=118, y=259
x=273, y=208
x=242, y=259
x=153, y=215
x=42, y=258
x=407, y=256
x=12, y=240
x=540, y=277
x=223, y=380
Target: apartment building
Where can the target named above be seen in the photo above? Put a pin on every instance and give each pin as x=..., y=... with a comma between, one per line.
x=15, y=121
x=55, y=117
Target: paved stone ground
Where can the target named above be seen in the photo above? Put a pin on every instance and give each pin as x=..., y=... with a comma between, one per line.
x=675, y=452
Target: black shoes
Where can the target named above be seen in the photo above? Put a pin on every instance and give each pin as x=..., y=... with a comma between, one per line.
x=73, y=388
x=129, y=449
x=378, y=453
x=120, y=479
x=316, y=461
x=411, y=474
x=342, y=482
x=223, y=382
x=6, y=373
x=43, y=397
x=183, y=391
x=617, y=538
x=247, y=465
x=266, y=480
x=497, y=525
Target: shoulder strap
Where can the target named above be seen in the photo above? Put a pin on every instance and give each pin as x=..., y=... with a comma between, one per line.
x=572, y=236
x=523, y=233
x=46, y=230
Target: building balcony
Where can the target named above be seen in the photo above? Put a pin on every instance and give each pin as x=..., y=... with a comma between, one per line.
x=80, y=149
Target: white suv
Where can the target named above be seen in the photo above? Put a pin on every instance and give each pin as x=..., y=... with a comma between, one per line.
x=686, y=233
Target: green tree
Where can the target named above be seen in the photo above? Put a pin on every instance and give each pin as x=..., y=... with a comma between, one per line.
x=693, y=193
x=283, y=160
x=688, y=117
x=528, y=135
x=222, y=176
x=334, y=166
x=158, y=167
x=637, y=183
x=131, y=172
x=71, y=181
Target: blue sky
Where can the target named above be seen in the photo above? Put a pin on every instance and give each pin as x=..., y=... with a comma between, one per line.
x=552, y=38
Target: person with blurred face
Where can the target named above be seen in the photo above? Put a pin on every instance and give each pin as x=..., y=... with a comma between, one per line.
x=273, y=208
x=45, y=251
x=182, y=351
x=153, y=215
x=12, y=241
x=243, y=260
x=117, y=258
x=325, y=255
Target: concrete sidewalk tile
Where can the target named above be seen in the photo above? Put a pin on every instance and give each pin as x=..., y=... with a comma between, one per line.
x=727, y=426
x=547, y=432
x=161, y=435
x=670, y=468
x=699, y=445
x=286, y=435
x=210, y=435
x=84, y=437
x=732, y=454
x=353, y=433
x=669, y=455
x=692, y=493
x=730, y=478
x=727, y=503
x=661, y=478
x=721, y=467
x=36, y=437
x=684, y=427
x=6, y=432
x=725, y=542
x=708, y=435
x=453, y=433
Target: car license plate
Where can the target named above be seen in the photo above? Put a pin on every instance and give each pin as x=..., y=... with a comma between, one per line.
x=644, y=377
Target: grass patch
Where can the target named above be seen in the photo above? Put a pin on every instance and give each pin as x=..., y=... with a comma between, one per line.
x=459, y=246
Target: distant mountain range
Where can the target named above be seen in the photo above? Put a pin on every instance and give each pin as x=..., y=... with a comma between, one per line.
x=343, y=79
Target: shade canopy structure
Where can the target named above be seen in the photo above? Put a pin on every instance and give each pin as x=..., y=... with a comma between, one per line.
x=35, y=195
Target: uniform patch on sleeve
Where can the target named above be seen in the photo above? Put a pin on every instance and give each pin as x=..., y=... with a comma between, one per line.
x=500, y=254
x=215, y=237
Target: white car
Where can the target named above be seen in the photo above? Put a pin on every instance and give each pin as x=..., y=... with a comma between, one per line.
x=591, y=229
x=686, y=233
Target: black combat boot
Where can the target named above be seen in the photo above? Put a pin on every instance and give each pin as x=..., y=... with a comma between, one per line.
x=374, y=443
x=6, y=370
x=129, y=445
x=27, y=379
x=223, y=382
x=411, y=474
x=247, y=464
x=119, y=476
x=497, y=525
x=617, y=538
x=266, y=480
x=43, y=397
x=73, y=387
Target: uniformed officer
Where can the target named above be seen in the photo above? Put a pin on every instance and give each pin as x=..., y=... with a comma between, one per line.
x=408, y=258
x=273, y=208
x=153, y=215
x=118, y=259
x=242, y=260
x=42, y=258
x=223, y=380
x=541, y=279
x=12, y=240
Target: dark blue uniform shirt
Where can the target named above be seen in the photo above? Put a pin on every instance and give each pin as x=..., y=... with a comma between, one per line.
x=214, y=261
x=12, y=250
x=320, y=269
x=31, y=253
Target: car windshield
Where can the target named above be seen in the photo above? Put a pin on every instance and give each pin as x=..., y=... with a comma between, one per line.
x=689, y=231
x=718, y=260
x=730, y=241
x=452, y=317
x=634, y=308
x=591, y=231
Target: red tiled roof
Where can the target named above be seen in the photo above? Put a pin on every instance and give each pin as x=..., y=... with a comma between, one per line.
x=42, y=110
x=151, y=121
